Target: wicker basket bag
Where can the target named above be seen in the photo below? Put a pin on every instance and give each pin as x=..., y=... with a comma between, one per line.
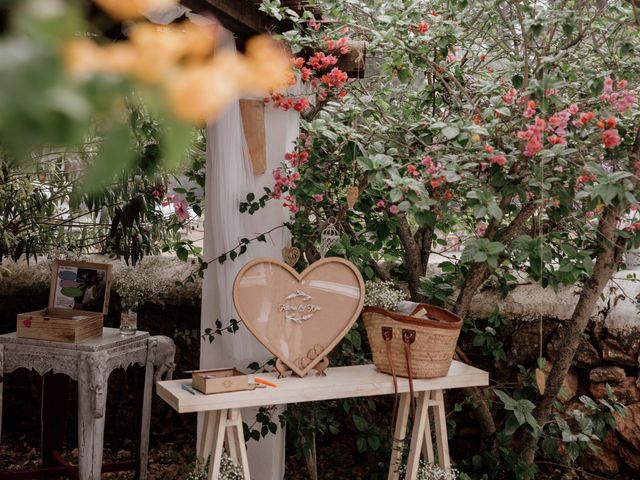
x=425, y=344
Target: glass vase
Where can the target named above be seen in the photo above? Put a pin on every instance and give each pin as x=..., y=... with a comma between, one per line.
x=128, y=323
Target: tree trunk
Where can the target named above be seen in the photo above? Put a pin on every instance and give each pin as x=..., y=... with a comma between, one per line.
x=425, y=237
x=412, y=258
x=611, y=246
x=479, y=272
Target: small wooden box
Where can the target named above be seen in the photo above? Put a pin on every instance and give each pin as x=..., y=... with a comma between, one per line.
x=220, y=380
x=78, y=302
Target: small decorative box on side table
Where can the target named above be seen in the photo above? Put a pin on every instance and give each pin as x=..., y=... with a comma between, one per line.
x=90, y=363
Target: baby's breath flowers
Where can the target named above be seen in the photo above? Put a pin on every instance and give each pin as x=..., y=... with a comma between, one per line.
x=135, y=287
x=383, y=295
x=229, y=470
x=429, y=471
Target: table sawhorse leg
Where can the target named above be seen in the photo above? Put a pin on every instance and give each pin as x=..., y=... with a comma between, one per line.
x=421, y=440
x=217, y=426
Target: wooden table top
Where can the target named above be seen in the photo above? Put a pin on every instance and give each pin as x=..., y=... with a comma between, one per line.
x=340, y=382
x=111, y=337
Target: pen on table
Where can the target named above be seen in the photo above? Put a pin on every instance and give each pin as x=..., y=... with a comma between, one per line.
x=188, y=389
x=264, y=382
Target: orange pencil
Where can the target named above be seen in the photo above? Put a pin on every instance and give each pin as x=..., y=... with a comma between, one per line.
x=264, y=382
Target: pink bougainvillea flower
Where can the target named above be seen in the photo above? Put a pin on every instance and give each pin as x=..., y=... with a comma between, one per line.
x=551, y=91
x=574, y=109
x=181, y=208
x=423, y=27
x=301, y=104
x=498, y=160
x=413, y=170
x=555, y=140
x=318, y=197
x=393, y=209
x=611, y=138
x=381, y=204
x=510, y=96
x=426, y=161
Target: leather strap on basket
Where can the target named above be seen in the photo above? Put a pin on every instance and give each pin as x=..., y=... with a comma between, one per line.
x=408, y=337
x=387, y=336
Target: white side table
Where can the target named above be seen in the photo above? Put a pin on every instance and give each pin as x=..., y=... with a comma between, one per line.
x=90, y=363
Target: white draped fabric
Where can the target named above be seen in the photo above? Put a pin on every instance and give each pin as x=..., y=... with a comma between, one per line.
x=229, y=177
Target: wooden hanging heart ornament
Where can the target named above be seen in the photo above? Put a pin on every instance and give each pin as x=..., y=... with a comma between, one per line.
x=353, y=193
x=299, y=317
x=291, y=255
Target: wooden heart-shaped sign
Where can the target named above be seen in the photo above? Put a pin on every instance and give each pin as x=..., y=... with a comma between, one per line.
x=299, y=317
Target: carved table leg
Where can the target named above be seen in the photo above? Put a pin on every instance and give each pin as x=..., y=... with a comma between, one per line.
x=146, y=411
x=92, y=392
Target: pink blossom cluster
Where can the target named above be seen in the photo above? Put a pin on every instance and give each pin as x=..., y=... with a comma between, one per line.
x=533, y=136
x=320, y=61
x=287, y=103
x=422, y=27
x=621, y=100
x=297, y=158
x=510, y=96
x=285, y=180
x=340, y=45
x=180, y=207
x=432, y=167
x=335, y=78
x=611, y=138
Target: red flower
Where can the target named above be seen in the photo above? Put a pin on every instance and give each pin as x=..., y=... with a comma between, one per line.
x=498, y=160
x=611, y=138
x=488, y=148
x=423, y=27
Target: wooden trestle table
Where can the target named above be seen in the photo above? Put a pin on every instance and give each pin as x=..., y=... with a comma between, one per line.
x=223, y=418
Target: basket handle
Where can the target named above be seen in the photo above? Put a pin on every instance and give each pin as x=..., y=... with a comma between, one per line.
x=408, y=338
x=387, y=336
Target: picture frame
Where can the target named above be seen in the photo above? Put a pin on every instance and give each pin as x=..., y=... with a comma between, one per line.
x=80, y=287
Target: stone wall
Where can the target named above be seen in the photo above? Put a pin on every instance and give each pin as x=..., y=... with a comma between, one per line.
x=608, y=355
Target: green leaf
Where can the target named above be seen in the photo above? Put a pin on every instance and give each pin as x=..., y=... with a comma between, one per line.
x=182, y=254
x=450, y=132
x=361, y=444
x=360, y=423
x=517, y=81
x=494, y=210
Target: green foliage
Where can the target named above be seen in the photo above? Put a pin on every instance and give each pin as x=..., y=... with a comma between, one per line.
x=488, y=339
